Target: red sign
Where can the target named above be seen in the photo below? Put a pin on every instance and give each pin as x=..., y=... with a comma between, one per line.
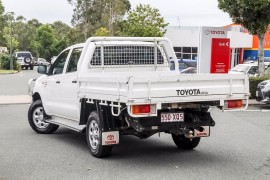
x=220, y=55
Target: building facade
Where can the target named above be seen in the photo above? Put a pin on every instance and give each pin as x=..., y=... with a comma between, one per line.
x=195, y=43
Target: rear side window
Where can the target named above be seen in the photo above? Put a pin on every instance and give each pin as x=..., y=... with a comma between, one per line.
x=73, y=60
x=28, y=55
x=126, y=55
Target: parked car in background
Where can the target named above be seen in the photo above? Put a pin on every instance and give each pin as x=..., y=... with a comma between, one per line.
x=266, y=62
x=24, y=59
x=263, y=92
x=250, y=69
x=186, y=66
x=248, y=61
x=42, y=61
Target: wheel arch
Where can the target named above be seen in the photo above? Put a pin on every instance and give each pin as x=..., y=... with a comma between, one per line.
x=36, y=96
x=107, y=120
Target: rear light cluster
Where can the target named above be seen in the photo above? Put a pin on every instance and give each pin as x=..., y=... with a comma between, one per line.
x=233, y=104
x=144, y=109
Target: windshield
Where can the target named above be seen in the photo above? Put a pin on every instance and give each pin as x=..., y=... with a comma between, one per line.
x=24, y=55
x=266, y=59
x=241, y=68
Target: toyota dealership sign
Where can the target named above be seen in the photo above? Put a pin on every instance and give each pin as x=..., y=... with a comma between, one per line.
x=214, y=50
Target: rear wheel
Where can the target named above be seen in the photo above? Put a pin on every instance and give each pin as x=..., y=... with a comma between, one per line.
x=185, y=143
x=36, y=117
x=94, y=137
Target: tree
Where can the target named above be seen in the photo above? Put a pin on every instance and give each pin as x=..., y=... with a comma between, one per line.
x=20, y=32
x=254, y=16
x=45, y=41
x=6, y=36
x=90, y=15
x=102, y=32
x=2, y=23
x=61, y=31
x=113, y=13
x=144, y=21
x=32, y=26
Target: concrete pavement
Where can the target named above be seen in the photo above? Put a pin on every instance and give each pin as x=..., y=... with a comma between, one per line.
x=15, y=99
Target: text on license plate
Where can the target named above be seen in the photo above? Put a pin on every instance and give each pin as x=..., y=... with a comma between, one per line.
x=172, y=117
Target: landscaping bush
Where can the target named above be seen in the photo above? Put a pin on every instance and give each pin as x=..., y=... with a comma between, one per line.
x=253, y=83
x=5, y=62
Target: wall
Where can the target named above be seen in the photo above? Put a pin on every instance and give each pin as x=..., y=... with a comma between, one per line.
x=239, y=39
x=183, y=37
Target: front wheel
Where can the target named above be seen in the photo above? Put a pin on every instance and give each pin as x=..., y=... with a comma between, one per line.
x=94, y=137
x=185, y=143
x=36, y=119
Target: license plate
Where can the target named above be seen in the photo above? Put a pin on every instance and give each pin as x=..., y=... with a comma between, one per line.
x=172, y=117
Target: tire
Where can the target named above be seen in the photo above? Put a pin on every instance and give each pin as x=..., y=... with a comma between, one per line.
x=27, y=60
x=31, y=67
x=36, y=116
x=93, y=136
x=184, y=143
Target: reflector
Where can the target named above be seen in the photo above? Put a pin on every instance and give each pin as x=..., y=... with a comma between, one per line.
x=235, y=104
x=141, y=109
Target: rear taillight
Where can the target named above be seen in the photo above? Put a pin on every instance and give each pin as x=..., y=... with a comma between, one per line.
x=233, y=104
x=144, y=109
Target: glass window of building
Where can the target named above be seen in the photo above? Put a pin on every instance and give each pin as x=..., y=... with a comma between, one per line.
x=186, y=52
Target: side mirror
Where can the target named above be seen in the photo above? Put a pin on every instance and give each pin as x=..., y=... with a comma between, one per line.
x=42, y=69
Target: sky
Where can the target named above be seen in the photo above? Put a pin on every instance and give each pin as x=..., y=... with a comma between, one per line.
x=175, y=12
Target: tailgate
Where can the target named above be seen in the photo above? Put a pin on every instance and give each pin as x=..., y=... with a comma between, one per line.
x=189, y=88
x=137, y=89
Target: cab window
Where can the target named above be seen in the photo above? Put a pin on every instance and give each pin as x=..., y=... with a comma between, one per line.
x=59, y=64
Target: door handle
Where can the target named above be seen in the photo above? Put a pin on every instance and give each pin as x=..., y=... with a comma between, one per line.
x=74, y=81
x=57, y=82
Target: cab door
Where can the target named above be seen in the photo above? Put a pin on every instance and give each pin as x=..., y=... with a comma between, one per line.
x=70, y=87
x=52, y=85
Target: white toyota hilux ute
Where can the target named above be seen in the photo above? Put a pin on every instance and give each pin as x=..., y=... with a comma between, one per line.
x=114, y=86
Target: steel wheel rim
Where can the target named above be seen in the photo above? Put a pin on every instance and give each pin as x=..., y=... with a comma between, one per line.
x=38, y=118
x=94, y=136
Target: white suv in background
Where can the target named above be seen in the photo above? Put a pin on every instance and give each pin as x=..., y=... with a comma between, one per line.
x=25, y=59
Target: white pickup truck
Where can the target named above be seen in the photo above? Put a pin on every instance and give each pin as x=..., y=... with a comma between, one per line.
x=113, y=86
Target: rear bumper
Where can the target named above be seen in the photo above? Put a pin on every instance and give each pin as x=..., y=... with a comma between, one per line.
x=192, y=119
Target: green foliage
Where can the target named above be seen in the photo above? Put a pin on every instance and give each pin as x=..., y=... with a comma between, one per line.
x=45, y=41
x=253, y=83
x=90, y=15
x=144, y=21
x=6, y=36
x=2, y=23
x=102, y=32
x=5, y=62
x=253, y=15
